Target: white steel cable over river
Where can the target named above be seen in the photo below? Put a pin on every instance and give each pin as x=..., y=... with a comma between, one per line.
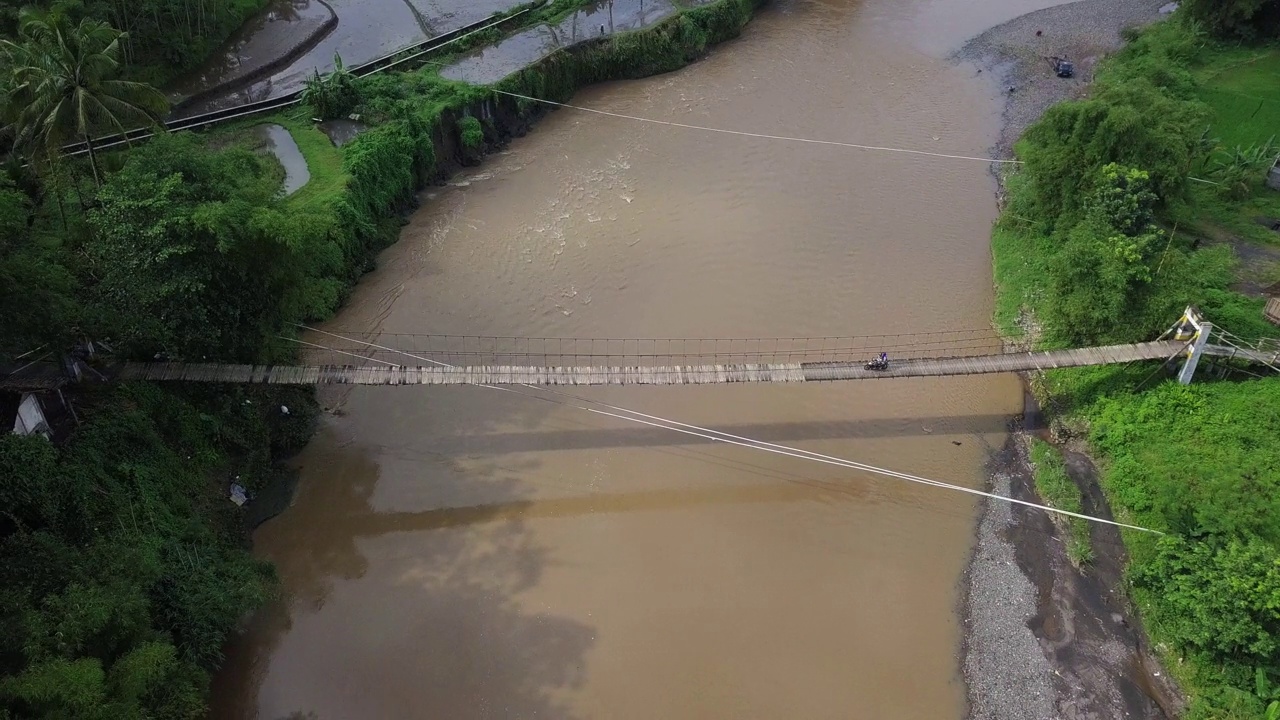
x=716, y=435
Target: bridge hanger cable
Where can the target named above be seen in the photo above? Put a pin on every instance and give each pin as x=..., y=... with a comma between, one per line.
x=986, y=331
x=751, y=443
x=763, y=136
x=1240, y=344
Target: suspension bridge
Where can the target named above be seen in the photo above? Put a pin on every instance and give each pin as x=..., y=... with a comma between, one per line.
x=368, y=359
x=343, y=359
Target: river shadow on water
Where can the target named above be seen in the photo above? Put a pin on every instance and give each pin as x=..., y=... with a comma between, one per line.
x=451, y=590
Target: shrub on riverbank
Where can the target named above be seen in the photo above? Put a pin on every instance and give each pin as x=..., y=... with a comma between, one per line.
x=1058, y=490
x=1201, y=463
x=1089, y=250
x=122, y=563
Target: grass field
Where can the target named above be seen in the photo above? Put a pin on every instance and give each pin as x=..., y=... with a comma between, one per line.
x=1242, y=87
x=324, y=162
x=1245, y=98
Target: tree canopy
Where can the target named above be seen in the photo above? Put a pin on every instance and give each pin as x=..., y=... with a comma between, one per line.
x=119, y=581
x=190, y=253
x=1245, y=19
x=63, y=86
x=163, y=36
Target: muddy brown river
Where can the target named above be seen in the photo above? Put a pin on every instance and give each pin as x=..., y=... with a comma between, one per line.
x=470, y=553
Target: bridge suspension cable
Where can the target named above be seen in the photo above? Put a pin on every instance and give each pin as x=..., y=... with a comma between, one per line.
x=549, y=351
x=764, y=136
x=635, y=416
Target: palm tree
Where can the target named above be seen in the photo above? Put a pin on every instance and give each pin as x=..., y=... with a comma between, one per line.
x=62, y=87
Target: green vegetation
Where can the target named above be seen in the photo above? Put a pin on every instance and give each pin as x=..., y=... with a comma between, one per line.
x=194, y=257
x=324, y=162
x=333, y=95
x=1245, y=98
x=1200, y=463
x=1099, y=239
x=1103, y=240
x=1245, y=19
x=472, y=133
x=1058, y=490
x=1242, y=90
x=163, y=37
x=63, y=87
x=123, y=563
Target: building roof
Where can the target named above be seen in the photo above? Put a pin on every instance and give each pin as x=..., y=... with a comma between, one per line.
x=31, y=377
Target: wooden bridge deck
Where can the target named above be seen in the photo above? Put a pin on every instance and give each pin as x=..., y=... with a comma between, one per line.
x=657, y=375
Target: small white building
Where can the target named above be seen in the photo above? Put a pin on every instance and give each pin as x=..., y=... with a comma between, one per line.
x=32, y=403
x=29, y=419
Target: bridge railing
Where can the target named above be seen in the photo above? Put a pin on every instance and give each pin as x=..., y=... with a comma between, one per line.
x=361, y=349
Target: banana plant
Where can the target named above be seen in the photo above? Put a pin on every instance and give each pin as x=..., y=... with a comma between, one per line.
x=1269, y=694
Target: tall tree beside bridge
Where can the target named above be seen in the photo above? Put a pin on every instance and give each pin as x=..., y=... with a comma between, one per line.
x=63, y=87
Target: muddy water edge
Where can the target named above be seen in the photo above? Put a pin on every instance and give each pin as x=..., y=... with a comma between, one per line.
x=468, y=553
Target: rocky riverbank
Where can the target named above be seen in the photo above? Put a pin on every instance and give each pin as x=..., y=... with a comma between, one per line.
x=1018, y=53
x=1042, y=638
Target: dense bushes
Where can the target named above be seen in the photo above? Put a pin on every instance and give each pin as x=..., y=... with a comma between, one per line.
x=1142, y=113
x=1245, y=19
x=471, y=135
x=1201, y=463
x=122, y=567
x=1213, y=599
x=1092, y=205
x=36, y=290
x=1087, y=252
x=334, y=94
x=190, y=253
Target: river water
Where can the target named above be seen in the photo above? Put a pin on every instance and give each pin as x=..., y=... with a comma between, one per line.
x=471, y=553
